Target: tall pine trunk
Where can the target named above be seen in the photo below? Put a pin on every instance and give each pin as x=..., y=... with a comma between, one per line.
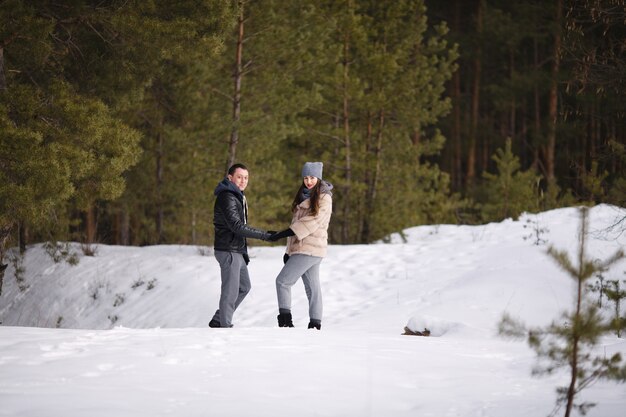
x=90, y=224
x=513, y=108
x=553, y=97
x=345, y=232
x=237, y=76
x=194, y=232
x=456, y=133
x=3, y=80
x=159, y=186
x=457, y=165
x=537, y=107
x=123, y=227
x=5, y=233
x=471, y=152
x=373, y=176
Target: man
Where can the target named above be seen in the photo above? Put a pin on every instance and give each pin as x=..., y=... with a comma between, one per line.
x=231, y=250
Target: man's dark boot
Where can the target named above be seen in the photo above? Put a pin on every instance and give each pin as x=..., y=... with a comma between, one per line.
x=214, y=323
x=284, y=320
x=315, y=324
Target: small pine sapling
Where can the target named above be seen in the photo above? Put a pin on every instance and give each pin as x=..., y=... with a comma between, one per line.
x=17, y=259
x=119, y=299
x=61, y=252
x=511, y=191
x=536, y=230
x=89, y=249
x=113, y=319
x=569, y=343
x=616, y=293
x=137, y=283
x=598, y=287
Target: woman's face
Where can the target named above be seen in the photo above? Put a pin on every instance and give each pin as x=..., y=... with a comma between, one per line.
x=310, y=182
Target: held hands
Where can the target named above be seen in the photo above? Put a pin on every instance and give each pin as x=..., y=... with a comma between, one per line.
x=279, y=235
x=268, y=235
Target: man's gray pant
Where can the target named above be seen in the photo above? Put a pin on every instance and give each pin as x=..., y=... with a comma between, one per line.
x=307, y=267
x=235, y=285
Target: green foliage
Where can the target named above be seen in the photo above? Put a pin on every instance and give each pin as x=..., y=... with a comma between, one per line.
x=503, y=88
x=117, y=115
x=34, y=174
x=278, y=53
x=510, y=327
x=510, y=191
x=594, y=183
x=60, y=145
x=381, y=89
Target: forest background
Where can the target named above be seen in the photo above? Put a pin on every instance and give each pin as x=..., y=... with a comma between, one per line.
x=118, y=118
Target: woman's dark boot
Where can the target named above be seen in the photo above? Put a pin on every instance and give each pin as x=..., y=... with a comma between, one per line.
x=315, y=324
x=284, y=320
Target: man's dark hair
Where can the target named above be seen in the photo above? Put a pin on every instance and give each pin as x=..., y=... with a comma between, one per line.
x=233, y=168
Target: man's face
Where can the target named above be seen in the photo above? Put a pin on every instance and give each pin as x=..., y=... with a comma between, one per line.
x=239, y=178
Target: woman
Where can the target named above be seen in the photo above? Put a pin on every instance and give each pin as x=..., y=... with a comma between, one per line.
x=306, y=245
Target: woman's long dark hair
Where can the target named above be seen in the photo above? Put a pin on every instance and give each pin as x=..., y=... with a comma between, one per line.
x=315, y=198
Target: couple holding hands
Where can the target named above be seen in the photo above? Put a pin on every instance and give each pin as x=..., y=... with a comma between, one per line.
x=307, y=242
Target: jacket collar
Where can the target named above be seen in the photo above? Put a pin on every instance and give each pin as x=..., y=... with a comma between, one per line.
x=227, y=185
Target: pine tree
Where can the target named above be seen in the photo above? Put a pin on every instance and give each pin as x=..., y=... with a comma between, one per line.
x=510, y=191
x=171, y=51
x=569, y=344
x=66, y=142
x=282, y=43
x=382, y=92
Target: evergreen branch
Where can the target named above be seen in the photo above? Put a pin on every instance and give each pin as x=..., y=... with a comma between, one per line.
x=325, y=112
x=255, y=34
x=88, y=23
x=67, y=41
x=328, y=135
x=223, y=94
x=509, y=327
x=562, y=259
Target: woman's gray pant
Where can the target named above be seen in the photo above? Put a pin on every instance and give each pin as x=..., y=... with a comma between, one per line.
x=235, y=285
x=307, y=267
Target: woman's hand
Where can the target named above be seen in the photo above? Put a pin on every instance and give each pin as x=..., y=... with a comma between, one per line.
x=285, y=233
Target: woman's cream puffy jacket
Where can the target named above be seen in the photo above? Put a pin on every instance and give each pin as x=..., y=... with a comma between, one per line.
x=311, y=232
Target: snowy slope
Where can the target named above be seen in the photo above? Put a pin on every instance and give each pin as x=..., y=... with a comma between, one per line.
x=133, y=337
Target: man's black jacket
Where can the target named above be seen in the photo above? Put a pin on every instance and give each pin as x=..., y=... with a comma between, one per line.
x=229, y=219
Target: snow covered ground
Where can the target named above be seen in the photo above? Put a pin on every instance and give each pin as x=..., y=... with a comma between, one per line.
x=125, y=333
